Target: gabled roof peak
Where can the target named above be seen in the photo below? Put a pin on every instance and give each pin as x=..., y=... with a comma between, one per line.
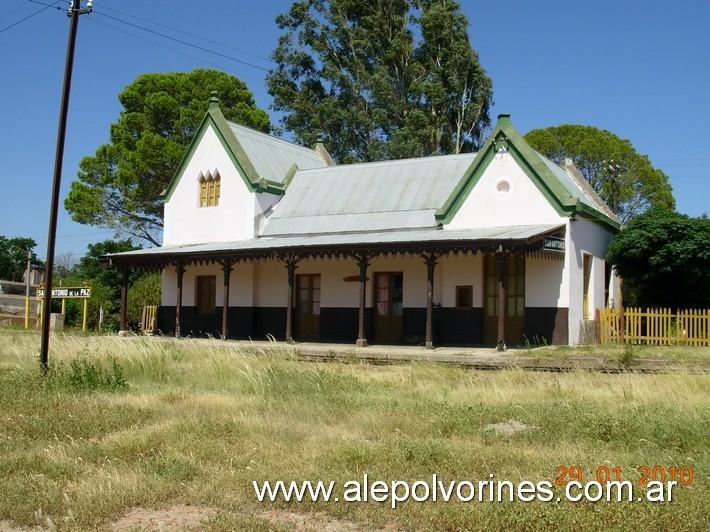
x=565, y=195
x=214, y=100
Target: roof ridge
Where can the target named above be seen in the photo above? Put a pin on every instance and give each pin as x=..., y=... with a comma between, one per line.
x=369, y=211
x=271, y=137
x=393, y=162
x=587, y=189
x=584, y=186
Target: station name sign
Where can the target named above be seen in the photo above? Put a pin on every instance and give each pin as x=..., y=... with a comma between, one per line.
x=552, y=243
x=83, y=291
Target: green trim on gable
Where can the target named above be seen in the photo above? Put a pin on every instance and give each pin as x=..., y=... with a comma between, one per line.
x=290, y=175
x=505, y=136
x=215, y=119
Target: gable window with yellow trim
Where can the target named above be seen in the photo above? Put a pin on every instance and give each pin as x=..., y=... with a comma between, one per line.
x=210, y=187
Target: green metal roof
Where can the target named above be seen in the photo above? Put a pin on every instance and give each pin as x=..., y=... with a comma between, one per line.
x=265, y=163
x=391, y=195
x=383, y=196
x=271, y=157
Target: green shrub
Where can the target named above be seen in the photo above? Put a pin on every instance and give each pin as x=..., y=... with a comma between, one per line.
x=84, y=375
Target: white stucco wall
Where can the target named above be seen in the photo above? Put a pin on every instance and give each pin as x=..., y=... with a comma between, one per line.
x=461, y=270
x=238, y=210
x=334, y=292
x=270, y=284
x=546, y=283
x=168, y=287
x=241, y=285
x=269, y=287
x=614, y=290
x=487, y=206
x=414, y=279
x=263, y=283
x=584, y=237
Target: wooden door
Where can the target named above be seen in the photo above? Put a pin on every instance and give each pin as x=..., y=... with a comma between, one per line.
x=387, y=312
x=307, y=307
x=515, y=300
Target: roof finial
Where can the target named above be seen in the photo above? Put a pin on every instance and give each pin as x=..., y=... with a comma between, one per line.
x=322, y=152
x=214, y=100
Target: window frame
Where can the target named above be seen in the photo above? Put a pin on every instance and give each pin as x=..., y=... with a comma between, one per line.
x=202, y=292
x=461, y=288
x=209, y=190
x=587, y=264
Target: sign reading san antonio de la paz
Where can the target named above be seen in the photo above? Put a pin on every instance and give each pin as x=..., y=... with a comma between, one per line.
x=83, y=291
x=552, y=243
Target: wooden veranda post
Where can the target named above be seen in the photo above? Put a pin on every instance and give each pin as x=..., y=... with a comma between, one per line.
x=291, y=269
x=363, y=264
x=180, y=271
x=227, y=270
x=502, y=260
x=430, y=261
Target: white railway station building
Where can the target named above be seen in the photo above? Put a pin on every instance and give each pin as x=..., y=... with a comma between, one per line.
x=264, y=237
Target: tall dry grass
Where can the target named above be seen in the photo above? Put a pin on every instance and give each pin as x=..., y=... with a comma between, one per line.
x=200, y=420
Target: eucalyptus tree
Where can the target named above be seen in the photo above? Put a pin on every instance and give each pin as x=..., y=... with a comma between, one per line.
x=380, y=79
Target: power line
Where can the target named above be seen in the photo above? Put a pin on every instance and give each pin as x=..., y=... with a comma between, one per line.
x=185, y=43
x=94, y=21
x=46, y=6
x=701, y=159
x=78, y=235
x=200, y=37
x=11, y=11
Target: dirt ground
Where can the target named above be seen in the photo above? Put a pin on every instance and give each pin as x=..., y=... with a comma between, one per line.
x=186, y=517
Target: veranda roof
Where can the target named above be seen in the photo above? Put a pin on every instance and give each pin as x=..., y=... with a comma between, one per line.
x=523, y=237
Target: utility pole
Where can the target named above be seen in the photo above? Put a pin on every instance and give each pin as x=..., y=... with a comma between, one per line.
x=74, y=11
x=27, y=289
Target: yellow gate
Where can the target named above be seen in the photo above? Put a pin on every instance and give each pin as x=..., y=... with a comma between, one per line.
x=659, y=326
x=148, y=319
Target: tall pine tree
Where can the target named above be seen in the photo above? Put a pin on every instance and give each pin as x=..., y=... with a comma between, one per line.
x=380, y=79
x=119, y=186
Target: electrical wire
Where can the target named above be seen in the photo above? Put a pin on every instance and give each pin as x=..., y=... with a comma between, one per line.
x=201, y=60
x=46, y=6
x=200, y=37
x=185, y=43
x=165, y=36
x=12, y=11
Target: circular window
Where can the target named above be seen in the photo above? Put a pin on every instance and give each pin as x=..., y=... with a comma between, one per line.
x=503, y=187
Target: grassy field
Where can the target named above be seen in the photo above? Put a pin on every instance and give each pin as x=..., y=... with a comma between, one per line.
x=197, y=421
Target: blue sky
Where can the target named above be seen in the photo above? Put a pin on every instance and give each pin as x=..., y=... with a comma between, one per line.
x=640, y=69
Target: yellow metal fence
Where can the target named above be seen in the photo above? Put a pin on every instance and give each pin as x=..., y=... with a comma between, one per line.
x=659, y=326
x=148, y=319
